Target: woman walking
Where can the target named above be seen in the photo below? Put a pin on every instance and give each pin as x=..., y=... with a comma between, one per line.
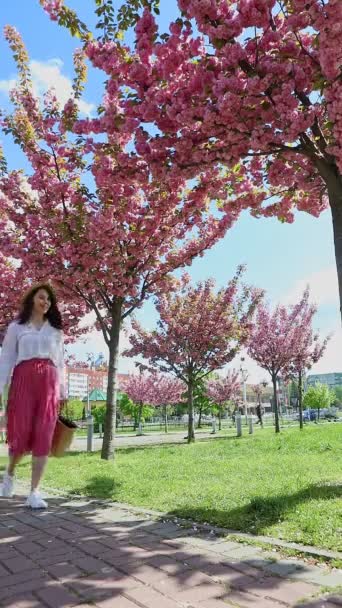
x=32, y=353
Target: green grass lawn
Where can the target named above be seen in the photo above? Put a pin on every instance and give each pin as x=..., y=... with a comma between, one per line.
x=287, y=486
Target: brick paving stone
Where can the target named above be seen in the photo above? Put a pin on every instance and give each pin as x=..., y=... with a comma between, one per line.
x=48, y=559
x=57, y=596
x=25, y=601
x=244, y=568
x=144, y=573
x=168, y=564
x=33, y=584
x=90, y=565
x=64, y=571
x=230, y=577
x=214, y=603
x=11, y=580
x=19, y=564
x=319, y=576
x=112, y=542
x=8, y=553
x=243, y=552
x=275, y=588
x=28, y=548
x=200, y=592
x=246, y=600
x=20, y=528
x=292, y=592
x=75, y=528
x=116, y=558
x=283, y=567
x=227, y=548
x=118, y=602
x=3, y=571
x=63, y=534
x=98, y=587
x=151, y=598
x=51, y=543
x=91, y=547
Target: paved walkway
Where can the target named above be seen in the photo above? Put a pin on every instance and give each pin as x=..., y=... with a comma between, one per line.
x=154, y=438
x=87, y=554
x=122, y=441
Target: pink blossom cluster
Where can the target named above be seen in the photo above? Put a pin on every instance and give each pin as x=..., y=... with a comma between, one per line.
x=133, y=230
x=199, y=330
x=153, y=389
x=246, y=99
x=52, y=7
x=282, y=341
x=220, y=390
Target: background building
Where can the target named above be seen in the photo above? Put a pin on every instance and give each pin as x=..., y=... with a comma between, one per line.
x=80, y=380
x=332, y=380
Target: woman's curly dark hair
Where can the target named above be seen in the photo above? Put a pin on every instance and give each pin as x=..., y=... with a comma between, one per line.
x=53, y=315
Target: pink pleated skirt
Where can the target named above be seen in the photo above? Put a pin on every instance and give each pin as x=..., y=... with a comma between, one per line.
x=32, y=408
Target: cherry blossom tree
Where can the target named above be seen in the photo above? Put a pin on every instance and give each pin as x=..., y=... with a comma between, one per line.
x=258, y=92
x=140, y=389
x=199, y=331
x=277, y=340
x=90, y=214
x=249, y=89
x=9, y=296
x=167, y=390
x=258, y=392
x=309, y=351
x=221, y=390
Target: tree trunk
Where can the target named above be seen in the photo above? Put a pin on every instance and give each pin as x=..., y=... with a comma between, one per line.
x=260, y=414
x=191, y=413
x=335, y=198
x=107, y=452
x=140, y=410
x=199, y=426
x=300, y=398
x=275, y=404
x=165, y=419
x=220, y=419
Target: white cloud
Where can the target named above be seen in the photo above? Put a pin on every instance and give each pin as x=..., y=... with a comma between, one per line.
x=48, y=75
x=323, y=291
x=332, y=358
x=323, y=287
x=7, y=85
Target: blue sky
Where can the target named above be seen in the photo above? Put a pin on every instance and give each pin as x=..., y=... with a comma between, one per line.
x=280, y=258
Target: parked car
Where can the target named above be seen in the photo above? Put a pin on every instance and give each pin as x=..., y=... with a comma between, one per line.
x=329, y=413
x=308, y=415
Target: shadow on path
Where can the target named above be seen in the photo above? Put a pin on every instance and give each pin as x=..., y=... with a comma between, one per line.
x=79, y=553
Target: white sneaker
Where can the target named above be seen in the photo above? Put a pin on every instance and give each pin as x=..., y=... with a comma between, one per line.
x=7, y=486
x=35, y=501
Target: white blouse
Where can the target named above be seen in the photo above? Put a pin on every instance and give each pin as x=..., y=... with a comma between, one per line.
x=25, y=342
